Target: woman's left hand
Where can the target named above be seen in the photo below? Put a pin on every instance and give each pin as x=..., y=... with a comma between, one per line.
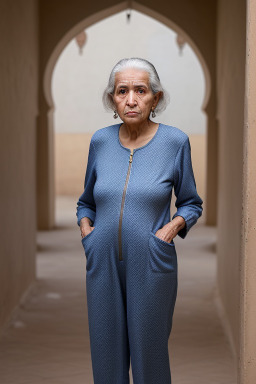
x=170, y=230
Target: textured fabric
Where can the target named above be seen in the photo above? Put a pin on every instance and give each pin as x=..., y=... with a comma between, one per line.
x=131, y=301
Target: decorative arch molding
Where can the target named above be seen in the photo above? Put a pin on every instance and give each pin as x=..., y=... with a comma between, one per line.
x=101, y=15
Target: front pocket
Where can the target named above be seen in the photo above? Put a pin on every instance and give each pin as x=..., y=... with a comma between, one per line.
x=162, y=255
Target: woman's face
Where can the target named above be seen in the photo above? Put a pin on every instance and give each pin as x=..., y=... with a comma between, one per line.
x=133, y=97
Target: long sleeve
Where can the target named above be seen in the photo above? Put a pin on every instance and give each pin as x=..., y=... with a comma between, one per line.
x=188, y=202
x=86, y=205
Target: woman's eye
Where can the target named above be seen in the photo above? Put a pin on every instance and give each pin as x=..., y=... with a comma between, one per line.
x=122, y=91
x=141, y=91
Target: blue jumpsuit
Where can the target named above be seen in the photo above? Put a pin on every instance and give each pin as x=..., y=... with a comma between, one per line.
x=131, y=274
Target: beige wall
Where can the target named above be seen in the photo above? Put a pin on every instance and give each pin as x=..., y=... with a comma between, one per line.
x=230, y=92
x=18, y=109
x=247, y=362
x=71, y=152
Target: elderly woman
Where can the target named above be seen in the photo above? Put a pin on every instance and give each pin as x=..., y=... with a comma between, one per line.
x=127, y=234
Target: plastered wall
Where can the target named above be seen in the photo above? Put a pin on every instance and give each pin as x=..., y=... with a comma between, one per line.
x=18, y=110
x=230, y=92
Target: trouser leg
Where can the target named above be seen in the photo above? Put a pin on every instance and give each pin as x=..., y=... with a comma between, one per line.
x=150, y=304
x=109, y=344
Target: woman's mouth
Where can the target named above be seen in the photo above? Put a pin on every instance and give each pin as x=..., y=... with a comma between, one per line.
x=131, y=113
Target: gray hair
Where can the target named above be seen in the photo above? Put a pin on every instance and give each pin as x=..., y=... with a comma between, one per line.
x=154, y=82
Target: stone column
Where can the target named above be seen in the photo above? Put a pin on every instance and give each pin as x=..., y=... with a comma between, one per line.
x=45, y=167
x=212, y=163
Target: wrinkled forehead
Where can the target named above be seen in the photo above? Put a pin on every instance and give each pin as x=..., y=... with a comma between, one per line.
x=132, y=76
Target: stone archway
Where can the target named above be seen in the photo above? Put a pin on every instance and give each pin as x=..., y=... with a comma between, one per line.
x=46, y=216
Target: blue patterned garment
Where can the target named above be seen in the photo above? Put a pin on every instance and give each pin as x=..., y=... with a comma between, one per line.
x=131, y=274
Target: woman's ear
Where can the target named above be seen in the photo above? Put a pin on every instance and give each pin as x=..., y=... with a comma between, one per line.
x=111, y=99
x=157, y=97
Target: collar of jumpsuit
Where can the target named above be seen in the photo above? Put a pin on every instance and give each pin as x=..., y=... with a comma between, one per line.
x=134, y=149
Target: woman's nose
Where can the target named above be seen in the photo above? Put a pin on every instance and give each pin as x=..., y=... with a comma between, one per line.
x=131, y=99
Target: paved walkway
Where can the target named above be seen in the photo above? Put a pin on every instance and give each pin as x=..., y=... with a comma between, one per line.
x=47, y=340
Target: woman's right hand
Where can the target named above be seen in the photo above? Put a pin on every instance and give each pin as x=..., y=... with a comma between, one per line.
x=86, y=230
x=85, y=226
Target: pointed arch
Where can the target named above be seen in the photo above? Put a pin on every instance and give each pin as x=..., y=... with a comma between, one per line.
x=98, y=16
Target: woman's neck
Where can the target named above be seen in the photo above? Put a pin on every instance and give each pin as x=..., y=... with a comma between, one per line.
x=134, y=131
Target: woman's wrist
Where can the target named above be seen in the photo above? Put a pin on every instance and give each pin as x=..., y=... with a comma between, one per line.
x=85, y=221
x=178, y=222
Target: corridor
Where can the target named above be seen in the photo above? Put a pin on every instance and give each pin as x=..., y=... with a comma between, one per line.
x=47, y=340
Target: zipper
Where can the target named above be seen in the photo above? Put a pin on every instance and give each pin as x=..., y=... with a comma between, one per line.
x=122, y=206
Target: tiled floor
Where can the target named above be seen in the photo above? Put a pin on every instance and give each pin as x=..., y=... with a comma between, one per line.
x=47, y=340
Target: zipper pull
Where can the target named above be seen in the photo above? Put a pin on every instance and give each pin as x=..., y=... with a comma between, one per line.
x=131, y=154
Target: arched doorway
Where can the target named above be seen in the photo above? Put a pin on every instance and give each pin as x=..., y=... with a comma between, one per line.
x=45, y=156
